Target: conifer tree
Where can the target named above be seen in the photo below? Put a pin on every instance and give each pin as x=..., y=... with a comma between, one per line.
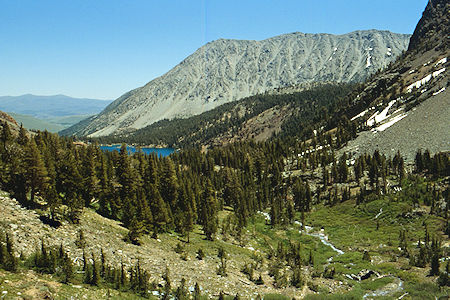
x=435, y=263
x=67, y=269
x=233, y=196
x=90, y=181
x=158, y=209
x=221, y=296
x=95, y=279
x=69, y=183
x=36, y=173
x=126, y=176
x=182, y=293
x=342, y=168
x=167, y=284
x=103, y=263
x=443, y=279
x=6, y=135
x=168, y=185
x=209, y=211
x=10, y=261
x=104, y=189
x=197, y=292
x=22, y=138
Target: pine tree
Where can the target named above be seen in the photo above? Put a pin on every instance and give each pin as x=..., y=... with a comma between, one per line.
x=36, y=173
x=188, y=222
x=435, y=263
x=221, y=296
x=182, y=292
x=167, y=285
x=297, y=280
x=88, y=274
x=126, y=176
x=22, y=138
x=10, y=261
x=95, y=272
x=342, y=168
x=69, y=183
x=209, y=211
x=3, y=253
x=233, y=196
x=67, y=269
x=197, y=292
x=6, y=135
x=443, y=279
x=135, y=230
x=158, y=208
x=169, y=183
x=311, y=258
x=90, y=181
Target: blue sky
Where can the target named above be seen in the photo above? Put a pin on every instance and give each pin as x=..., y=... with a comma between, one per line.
x=103, y=48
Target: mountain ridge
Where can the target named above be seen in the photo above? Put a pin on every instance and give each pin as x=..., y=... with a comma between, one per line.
x=227, y=70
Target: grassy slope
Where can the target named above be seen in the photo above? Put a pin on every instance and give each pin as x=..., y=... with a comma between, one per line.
x=32, y=285
x=350, y=228
x=53, y=124
x=30, y=122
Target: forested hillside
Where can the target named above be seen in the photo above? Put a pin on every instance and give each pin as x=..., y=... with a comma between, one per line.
x=222, y=195
x=283, y=195
x=303, y=111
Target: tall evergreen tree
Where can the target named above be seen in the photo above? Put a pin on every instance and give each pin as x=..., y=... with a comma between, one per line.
x=158, y=208
x=208, y=213
x=36, y=173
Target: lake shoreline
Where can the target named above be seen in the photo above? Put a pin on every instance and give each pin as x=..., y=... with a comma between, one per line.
x=160, y=151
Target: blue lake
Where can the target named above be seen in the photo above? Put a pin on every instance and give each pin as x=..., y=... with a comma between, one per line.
x=159, y=151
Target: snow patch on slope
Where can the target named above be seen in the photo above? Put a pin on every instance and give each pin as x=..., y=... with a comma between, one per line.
x=379, y=117
x=359, y=115
x=442, y=61
x=390, y=122
x=369, y=57
x=438, y=92
x=424, y=80
x=389, y=52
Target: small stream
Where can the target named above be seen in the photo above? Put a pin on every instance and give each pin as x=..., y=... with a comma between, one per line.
x=321, y=235
x=324, y=239
x=387, y=290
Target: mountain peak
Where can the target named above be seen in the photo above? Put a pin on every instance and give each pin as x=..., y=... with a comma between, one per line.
x=227, y=70
x=433, y=27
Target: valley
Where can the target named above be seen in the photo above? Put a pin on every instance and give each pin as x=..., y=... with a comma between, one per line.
x=302, y=166
x=52, y=113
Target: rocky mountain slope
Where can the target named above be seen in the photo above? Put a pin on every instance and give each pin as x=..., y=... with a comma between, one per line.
x=227, y=70
x=284, y=112
x=406, y=107
x=12, y=123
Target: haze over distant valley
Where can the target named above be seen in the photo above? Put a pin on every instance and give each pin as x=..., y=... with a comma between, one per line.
x=52, y=113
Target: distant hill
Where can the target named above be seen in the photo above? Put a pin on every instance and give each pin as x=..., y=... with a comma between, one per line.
x=52, y=124
x=44, y=107
x=52, y=113
x=31, y=122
